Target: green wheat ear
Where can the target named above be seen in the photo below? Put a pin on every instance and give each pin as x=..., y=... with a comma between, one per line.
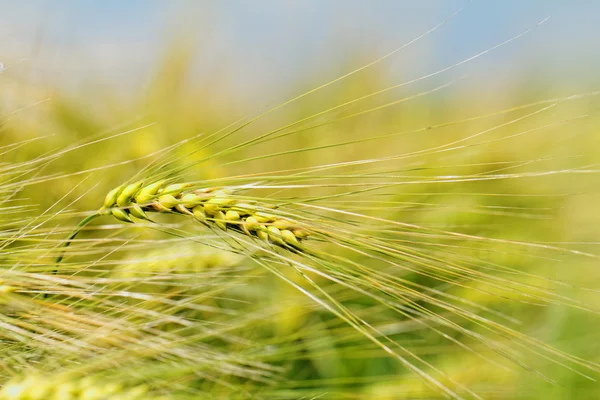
x=210, y=206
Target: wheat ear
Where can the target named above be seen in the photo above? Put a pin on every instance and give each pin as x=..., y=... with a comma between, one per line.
x=210, y=206
x=39, y=387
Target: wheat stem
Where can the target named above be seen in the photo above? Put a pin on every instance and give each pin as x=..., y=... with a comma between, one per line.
x=70, y=238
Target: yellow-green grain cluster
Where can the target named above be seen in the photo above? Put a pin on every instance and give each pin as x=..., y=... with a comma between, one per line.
x=5, y=288
x=38, y=387
x=211, y=206
x=5, y=291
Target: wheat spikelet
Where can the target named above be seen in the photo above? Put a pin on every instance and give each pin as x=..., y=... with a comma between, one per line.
x=211, y=206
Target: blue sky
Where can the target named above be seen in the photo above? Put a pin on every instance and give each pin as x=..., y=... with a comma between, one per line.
x=265, y=44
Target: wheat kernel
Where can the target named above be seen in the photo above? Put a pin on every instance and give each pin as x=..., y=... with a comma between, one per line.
x=128, y=193
x=232, y=215
x=111, y=197
x=168, y=201
x=121, y=215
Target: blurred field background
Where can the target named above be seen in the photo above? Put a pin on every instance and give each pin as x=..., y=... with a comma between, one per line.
x=166, y=71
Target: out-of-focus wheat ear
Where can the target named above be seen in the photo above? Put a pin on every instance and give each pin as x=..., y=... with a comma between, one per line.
x=40, y=387
x=6, y=291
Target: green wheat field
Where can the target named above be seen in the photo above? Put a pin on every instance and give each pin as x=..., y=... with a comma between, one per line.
x=356, y=236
